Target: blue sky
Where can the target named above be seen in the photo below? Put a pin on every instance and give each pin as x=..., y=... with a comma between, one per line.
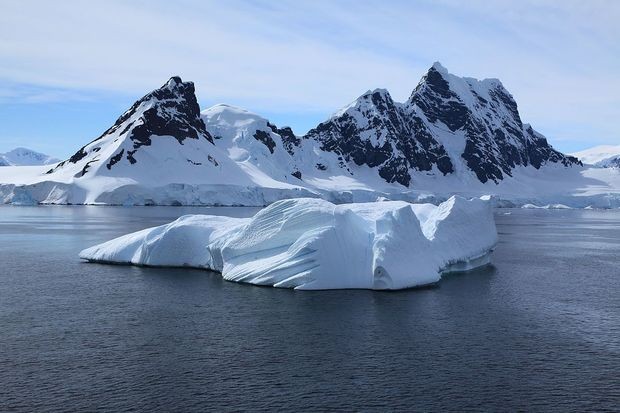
x=70, y=68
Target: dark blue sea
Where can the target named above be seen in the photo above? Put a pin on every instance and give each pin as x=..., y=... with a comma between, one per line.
x=539, y=330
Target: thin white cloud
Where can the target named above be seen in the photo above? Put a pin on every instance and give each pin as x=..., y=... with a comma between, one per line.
x=560, y=59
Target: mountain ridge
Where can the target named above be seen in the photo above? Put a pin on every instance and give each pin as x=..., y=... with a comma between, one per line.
x=446, y=121
x=452, y=135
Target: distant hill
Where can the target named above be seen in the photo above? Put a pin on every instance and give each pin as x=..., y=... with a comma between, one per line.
x=25, y=157
x=603, y=156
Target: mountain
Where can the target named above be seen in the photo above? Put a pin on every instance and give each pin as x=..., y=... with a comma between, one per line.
x=259, y=147
x=160, y=142
x=161, y=130
x=452, y=136
x=157, y=152
x=613, y=162
x=268, y=152
x=603, y=156
x=448, y=125
x=378, y=132
x=24, y=157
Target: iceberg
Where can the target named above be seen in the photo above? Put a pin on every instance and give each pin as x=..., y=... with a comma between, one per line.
x=312, y=244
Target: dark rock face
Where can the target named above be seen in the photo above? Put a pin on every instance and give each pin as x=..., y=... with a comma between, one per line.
x=175, y=112
x=539, y=151
x=496, y=139
x=115, y=159
x=438, y=102
x=376, y=132
x=265, y=138
x=289, y=139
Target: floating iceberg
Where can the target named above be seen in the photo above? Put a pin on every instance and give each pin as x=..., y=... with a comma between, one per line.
x=312, y=244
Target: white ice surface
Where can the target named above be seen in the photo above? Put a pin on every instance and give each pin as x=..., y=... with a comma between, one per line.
x=312, y=244
x=597, y=154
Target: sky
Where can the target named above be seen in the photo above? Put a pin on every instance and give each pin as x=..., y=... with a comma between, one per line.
x=68, y=68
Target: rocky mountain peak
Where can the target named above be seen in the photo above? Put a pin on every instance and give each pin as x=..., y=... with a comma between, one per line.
x=435, y=79
x=169, y=111
x=478, y=120
x=375, y=131
x=174, y=81
x=487, y=116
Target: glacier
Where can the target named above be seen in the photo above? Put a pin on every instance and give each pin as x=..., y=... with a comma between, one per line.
x=313, y=244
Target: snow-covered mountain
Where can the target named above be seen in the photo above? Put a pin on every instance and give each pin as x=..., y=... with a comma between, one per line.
x=262, y=149
x=377, y=132
x=613, y=162
x=453, y=135
x=24, y=156
x=268, y=152
x=160, y=138
x=603, y=156
x=157, y=152
x=448, y=125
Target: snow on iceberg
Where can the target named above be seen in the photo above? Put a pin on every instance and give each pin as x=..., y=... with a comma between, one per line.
x=312, y=244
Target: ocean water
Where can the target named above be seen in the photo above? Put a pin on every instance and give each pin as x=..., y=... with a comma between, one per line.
x=539, y=330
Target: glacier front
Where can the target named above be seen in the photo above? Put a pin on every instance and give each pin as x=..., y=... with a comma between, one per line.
x=312, y=244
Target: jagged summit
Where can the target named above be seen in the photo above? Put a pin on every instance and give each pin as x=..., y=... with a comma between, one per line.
x=449, y=124
x=370, y=98
x=163, y=126
x=486, y=115
x=378, y=93
x=375, y=131
x=439, y=67
x=174, y=81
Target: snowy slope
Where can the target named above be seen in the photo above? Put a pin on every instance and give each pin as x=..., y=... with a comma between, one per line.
x=25, y=157
x=270, y=153
x=311, y=244
x=258, y=147
x=604, y=156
